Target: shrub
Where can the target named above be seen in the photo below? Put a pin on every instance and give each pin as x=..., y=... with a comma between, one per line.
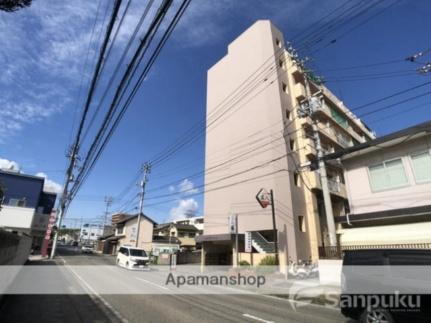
x=244, y=263
x=268, y=261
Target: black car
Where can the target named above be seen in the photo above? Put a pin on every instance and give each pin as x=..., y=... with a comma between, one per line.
x=386, y=285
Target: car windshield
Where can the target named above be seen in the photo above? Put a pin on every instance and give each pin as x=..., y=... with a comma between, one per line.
x=137, y=253
x=88, y=246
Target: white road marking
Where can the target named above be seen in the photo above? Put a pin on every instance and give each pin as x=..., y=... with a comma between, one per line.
x=148, y=282
x=94, y=295
x=256, y=318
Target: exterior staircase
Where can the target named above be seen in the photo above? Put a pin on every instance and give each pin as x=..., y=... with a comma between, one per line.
x=261, y=244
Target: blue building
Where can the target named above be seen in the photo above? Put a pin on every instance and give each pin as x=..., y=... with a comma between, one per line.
x=26, y=206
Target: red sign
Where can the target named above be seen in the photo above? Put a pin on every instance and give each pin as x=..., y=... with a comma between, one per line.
x=51, y=222
x=263, y=197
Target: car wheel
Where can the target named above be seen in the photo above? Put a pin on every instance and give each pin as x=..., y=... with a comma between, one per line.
x=377, y=315
x=127, y=264
x=118, y=262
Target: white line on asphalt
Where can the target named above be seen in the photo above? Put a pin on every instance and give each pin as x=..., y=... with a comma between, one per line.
x=94, y=295
x=256, y=318
x=148, y=282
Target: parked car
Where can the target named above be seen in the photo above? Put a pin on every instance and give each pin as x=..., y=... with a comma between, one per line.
x=391, y=275
x=87, y=249
x=132, y=258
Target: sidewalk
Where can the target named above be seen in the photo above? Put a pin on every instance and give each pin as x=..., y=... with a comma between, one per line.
x=51, y=308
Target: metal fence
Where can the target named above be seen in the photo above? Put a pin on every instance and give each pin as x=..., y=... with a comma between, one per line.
x=337, y=251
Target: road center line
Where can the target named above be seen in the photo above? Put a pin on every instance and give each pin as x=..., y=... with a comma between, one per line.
x=148, y=282
x=256, y=318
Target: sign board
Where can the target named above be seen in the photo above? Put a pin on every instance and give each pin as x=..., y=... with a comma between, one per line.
x=232, y=223
x=133, y=233
x=263, y=197
x=51, y=222
x=247, y=241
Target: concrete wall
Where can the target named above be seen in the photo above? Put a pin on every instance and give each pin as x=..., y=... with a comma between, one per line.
x=362, y=199
x=14, y=249
x=257, y=117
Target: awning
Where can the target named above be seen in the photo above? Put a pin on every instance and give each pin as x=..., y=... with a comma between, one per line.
x=219, y=237
x=388, y=234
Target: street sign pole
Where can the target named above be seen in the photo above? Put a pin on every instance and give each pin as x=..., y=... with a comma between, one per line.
x=264, y=198
x=236, y=240
x=274, y=228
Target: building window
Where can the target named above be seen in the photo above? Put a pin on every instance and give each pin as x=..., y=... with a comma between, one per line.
x=284, y=87
x=422, y=166
x=292, y=144
x=120, y=230
x=301, y=223
x=278, y=42
x=281, y=63
x=18, y=202
x=387, y=175
x=181, y=234
x=192, y=234
x=296, y=178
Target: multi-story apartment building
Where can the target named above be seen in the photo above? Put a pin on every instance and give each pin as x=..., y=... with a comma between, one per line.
x=26, y=206
x=388, y=182
x=255, y=139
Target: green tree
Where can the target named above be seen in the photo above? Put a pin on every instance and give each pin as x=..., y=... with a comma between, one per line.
x=14, y=5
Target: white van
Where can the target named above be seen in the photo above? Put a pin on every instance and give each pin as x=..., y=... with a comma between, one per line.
x=132, y=258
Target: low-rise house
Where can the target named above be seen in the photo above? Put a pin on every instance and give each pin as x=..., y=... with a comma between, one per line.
x=126, y=232
x=185, y=233
x=165, y=244
x=197, y=221
x=26, y=206
x=388, y=182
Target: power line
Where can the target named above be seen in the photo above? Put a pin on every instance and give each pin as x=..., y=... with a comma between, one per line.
x=93, y=155
x=390, y=96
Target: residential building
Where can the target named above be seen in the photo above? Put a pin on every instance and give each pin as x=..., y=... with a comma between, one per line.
x=185, y=233
x=255, y=140
x=126, y=232
x=388, y=182
x=165, y=244
x=197, y=221
x=91, y=232
x=26, y=206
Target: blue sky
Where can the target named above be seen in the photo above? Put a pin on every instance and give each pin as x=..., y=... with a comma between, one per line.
x=43, y=53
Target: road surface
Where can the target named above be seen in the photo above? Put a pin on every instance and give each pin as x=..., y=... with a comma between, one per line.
x=202, y=308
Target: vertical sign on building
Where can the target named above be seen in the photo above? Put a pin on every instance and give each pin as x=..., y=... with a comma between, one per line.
x=51, y=222
x=247, y=242
x=232, y=223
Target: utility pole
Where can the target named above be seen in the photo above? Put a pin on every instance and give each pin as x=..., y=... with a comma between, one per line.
x=426, y=67
x=274, y=227
x=108, y=201
x=307, y=110
x=236, y=240
x=73, y=156
x=146, y=169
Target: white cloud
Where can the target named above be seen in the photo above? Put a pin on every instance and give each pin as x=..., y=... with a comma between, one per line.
x=9, y=165
x=50, y=185
x=185, y=209
x=187, y=187
x=171, y=188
